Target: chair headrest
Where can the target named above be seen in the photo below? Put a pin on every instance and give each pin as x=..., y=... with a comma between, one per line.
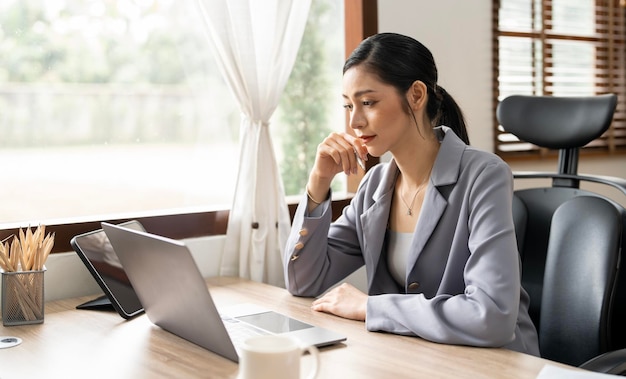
x=557, y=122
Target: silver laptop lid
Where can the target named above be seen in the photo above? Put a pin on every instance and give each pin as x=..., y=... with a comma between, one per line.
x=171, y=288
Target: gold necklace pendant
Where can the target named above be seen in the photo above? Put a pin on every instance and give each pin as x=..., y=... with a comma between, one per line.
x=409, y=208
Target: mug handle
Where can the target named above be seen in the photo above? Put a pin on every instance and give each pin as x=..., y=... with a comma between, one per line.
x=315, y=354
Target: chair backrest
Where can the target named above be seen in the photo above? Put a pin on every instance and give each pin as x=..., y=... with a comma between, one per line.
x=567, y=124
x=534, y=208
x=580, y=280
x=561, y=123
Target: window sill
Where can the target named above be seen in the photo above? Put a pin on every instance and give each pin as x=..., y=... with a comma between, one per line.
x=176, y=224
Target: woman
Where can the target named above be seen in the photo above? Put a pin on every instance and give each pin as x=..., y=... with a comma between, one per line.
x=433, y=227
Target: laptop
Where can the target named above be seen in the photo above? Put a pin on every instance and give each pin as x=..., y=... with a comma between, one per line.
x=95, y=251
x=175, y=297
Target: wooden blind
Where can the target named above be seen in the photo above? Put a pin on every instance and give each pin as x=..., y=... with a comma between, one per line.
x=560, y=48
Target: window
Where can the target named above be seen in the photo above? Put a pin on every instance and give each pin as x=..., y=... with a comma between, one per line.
x=311, y=105
x=561, y=48
x=118, y=108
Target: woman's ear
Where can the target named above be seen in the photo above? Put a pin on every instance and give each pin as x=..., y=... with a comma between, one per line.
x=417, y=95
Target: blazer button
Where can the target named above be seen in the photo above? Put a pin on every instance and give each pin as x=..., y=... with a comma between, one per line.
x=303, y=232
x=299, y=246
x=294, y=257
x=413, y=286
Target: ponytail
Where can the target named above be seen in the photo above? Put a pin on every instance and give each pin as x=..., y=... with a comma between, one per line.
x=445, y=111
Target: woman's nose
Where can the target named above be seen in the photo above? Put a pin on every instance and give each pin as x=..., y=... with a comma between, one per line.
x=357, y=120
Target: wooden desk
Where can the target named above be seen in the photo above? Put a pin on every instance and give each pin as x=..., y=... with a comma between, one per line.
x=85, y=343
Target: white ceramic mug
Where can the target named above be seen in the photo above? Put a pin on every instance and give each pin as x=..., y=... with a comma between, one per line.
x=274, y=357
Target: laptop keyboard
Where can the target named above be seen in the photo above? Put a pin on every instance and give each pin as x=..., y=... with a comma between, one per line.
x=239, y=331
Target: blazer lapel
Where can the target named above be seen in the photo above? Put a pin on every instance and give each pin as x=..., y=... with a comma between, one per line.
x=445, y=173
x=374, y=221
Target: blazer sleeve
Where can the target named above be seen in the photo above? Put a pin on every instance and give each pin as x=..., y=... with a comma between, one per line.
x=486, y=312
x=315, y=261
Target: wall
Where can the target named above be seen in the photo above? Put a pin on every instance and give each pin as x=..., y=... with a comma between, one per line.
x=458, y=33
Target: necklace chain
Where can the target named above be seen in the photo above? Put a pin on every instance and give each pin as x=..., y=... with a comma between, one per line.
x=409, y=208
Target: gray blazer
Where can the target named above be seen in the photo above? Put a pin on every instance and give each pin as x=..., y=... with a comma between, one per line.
x=463, y=280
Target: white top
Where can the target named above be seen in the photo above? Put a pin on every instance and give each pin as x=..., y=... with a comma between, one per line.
x=397, y=255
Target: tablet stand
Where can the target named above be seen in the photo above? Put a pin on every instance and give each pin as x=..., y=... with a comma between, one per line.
x=101, y=302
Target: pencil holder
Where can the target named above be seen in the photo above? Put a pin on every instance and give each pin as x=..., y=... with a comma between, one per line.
x=22, y=297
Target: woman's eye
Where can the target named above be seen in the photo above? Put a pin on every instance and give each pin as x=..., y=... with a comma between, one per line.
x=347, y=107
x=367, y=103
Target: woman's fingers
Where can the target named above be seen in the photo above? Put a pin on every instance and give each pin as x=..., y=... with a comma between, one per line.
x=345, y=301
x=348, y=157
x=359, y=149
x=341, y=151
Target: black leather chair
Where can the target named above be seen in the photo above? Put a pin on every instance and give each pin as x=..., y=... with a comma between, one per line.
x=570, y=240
x=579, y=279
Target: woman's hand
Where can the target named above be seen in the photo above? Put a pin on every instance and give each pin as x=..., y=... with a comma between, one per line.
x=345, y=301
x=337, y=153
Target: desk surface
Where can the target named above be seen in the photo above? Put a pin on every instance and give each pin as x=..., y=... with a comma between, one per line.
x=86, y=343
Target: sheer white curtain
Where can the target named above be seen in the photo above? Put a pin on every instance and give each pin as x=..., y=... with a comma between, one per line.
x=256, y=43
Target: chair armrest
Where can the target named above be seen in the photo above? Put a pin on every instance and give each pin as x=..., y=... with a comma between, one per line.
x=612, y=181
x=612, y=362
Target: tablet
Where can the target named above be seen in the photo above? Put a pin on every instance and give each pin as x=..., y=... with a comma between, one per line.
x=95, y=250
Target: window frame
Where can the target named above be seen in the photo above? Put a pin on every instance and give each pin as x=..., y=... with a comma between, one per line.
x=611, y=143
x=360, y=22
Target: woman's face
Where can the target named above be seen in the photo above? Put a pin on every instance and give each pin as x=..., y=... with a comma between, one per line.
x=376, y=112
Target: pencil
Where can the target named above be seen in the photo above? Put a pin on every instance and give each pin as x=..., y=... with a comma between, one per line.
x=359, y=160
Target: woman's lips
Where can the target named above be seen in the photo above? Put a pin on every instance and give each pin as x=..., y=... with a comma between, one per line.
x=366, y=139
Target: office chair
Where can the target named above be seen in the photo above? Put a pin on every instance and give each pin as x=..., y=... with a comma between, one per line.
x=573, y=279
x=579, y=279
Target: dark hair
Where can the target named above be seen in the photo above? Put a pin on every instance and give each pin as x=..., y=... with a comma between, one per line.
x=399, y=61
